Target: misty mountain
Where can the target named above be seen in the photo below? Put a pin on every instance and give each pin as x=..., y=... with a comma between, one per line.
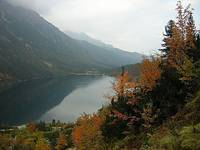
x=31, y=47
x=85, y=37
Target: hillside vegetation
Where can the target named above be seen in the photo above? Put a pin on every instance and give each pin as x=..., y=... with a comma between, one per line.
x=160, y=110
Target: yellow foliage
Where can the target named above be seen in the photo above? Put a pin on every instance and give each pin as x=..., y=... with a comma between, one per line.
x=150, y=73
x=87, y=134
x=42, y=145
x=122, y=84
x=61, y=142
x=181, y=41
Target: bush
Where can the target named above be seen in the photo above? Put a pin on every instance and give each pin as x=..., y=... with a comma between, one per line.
x=87, y=134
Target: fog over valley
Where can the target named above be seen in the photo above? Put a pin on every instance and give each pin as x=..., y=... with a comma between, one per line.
x=126, y=24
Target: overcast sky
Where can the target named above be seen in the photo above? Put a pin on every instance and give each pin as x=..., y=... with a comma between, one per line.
x=132, y=25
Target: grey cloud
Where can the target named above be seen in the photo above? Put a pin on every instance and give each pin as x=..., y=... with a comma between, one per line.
x=41, y=6
x=133, y=25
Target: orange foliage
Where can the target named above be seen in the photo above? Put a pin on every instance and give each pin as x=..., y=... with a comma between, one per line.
x=177, y=48
x=31, y=127
x=123, y=84
x=125, y=96
x=86, y=131
x=42, y=145
x=181, y=41
x=150, y=73
x=61, y=142
x=177, y=57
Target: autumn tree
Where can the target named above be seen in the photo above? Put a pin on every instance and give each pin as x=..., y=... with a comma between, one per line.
x=176, y=82
x=182, y=42
x=23, y=141
x=125, y=103
x=177, y=57
x=42, y=145
x=126, y=108
x=31, y=127
x=61, y=142
x=150, y=73
x=87, y=134
x=165, y=83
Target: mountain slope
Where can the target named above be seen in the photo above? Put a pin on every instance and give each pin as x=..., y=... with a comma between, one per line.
x=31, y=47
x=85, y=37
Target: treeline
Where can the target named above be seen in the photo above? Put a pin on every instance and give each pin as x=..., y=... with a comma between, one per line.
x=37, y=136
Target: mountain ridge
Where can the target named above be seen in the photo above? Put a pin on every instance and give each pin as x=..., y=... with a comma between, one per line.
x=31, y=47
x=84, y=37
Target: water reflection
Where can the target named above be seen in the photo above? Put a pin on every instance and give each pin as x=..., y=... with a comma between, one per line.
x=86, y=99
x=61, y=99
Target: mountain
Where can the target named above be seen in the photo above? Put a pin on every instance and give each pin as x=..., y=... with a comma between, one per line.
x=85, y=37
x=31, y=47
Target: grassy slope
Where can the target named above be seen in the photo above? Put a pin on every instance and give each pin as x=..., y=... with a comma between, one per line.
x=182, y=132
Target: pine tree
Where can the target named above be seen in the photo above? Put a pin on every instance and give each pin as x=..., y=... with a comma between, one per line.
x=197, y=44
x=181, y=42
x=167, y=35
x=177, y=66
x=190, y=33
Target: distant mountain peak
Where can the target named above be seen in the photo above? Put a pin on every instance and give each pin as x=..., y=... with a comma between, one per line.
x=84, y=37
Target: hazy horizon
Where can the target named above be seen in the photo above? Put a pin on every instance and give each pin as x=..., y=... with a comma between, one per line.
x=130, y=25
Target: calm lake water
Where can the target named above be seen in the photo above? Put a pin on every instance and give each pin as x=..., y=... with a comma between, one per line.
x=61, y=99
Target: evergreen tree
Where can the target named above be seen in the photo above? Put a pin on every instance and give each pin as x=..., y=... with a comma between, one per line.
x=167, y=35
x=175, y=82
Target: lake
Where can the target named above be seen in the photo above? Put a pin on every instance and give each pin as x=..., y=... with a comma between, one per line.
x=62, y=99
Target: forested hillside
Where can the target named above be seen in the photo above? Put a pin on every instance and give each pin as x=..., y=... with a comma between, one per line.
x=31, y=47
x=158, y=111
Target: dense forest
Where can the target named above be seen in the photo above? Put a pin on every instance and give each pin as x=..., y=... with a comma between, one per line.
x=159, y=110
